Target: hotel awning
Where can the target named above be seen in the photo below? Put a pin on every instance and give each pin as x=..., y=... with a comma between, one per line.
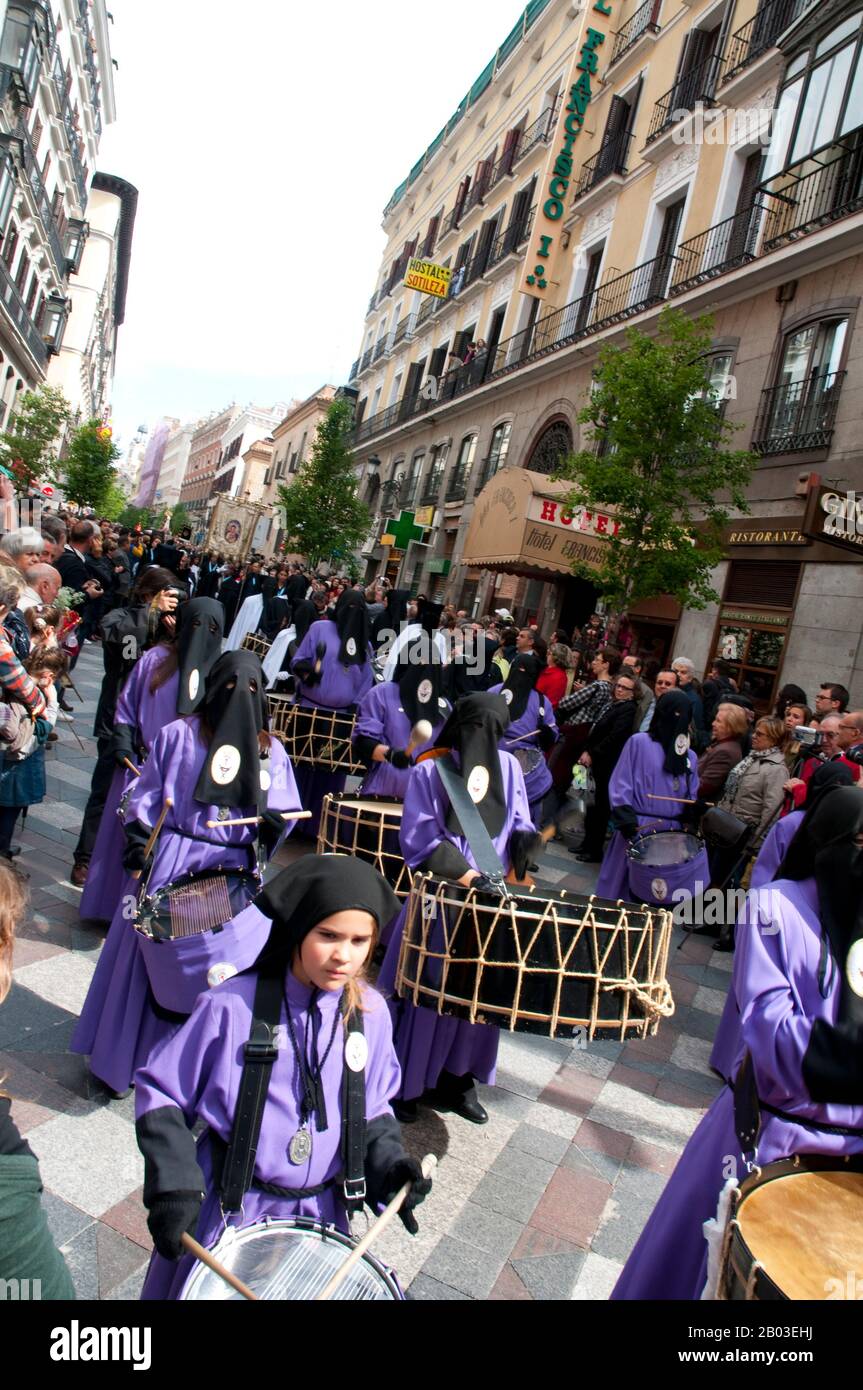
x=521, y=525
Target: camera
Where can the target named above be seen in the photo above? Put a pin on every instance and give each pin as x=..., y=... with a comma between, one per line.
x=809, y=738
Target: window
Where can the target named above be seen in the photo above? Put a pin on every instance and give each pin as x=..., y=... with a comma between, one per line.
x=413, y=478
x=799, y=411
x=10, y=245
x=457, y=489
x=440, y=455
x=497, y=453
x=822, y=103
x=720, y=383
x=553, y=446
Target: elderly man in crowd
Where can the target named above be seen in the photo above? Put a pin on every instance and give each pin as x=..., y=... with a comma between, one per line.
x=45, y=582
x=850, y=737
x=25, y=548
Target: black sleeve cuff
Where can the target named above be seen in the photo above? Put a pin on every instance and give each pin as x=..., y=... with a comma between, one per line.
x=384, y=1147
x=833, y=1065
x=170, y=1157
x=447, y=862
x=364, y=748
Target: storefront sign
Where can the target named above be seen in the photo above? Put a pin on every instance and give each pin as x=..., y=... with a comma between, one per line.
x=556, y=514
x=766, y=532
x=425, y=517
x=429, y=278
x=742, y=615
x=835, y=518
x=540, y=269
x=520, y=532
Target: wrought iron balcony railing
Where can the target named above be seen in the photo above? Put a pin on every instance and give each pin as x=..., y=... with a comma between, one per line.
x=511, y=239
x=538, y=133
x=642, y=22
x=355, y=370
x=617, y=300
x=402, y=331
x=799, y=416
x=697, y=85
x=726, y=246
x=761, y=33
x=18, y=312
x=43, y=203
x=366, y=359
x=457, y=487
x=611, y=158
x=817, y=191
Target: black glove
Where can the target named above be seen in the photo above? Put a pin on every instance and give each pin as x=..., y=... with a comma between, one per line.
x=547, y=738
x=625, y=820
x=524, y=845
x=407, y=1170
x=305, y=672
x=271, y=829
x=691, y=815
x=397, y=757
x=446, y=862
x=482, y=884
x=123, y=744
x=135, y=853
x=171, y=1215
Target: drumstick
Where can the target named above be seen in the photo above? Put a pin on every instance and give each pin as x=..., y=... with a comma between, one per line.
x=190, y=1244
x=536, y=733
x=429, y=1164
x=679, y=800
x=257, y=820
x=420, y=734
x=132, y=767
x=148, y=849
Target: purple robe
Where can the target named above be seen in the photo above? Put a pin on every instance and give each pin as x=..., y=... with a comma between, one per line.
x=428, y=1043
x=199, y=1072
x=341, y=688
x=726, y=1044
x=148, y=712
x=776, y=977
x=538, y=714
x=119, y=1028
x=381, y=717
x=640, y=771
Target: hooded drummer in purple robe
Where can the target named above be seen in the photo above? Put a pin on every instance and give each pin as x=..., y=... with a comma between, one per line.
x=442, y=1057
x=799, y=984
x=532, y=730
x=218, y=766
x=333, y=667
x=320, y=918
x=726, y=1044
x=158, y=691
x=388, y=715
x=653, y=765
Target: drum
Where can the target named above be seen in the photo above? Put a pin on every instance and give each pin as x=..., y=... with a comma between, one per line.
x=557, y=966
x=197, y=932
x=318, y=737
x=256, y=642
x=528, y=759
x=367, y=827
x=664, y=862
x=292, y=1260
x=795, y=1231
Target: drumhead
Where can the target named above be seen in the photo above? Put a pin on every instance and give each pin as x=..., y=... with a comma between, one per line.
x=290, y=1261
x=806, y=1230
x=527, y=758
x=663, y=848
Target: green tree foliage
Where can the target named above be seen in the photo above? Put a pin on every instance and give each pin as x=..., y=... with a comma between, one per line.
x=89, y=475
x=29, y=446
x=660, y=463
x=323, y=515
x=180, y=518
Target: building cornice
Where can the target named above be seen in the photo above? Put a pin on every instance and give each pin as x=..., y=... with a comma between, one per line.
x=128, y=196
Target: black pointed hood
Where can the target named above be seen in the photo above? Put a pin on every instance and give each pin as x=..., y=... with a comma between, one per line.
x=201, y=628
x=235, y=710
x=474, y=731
x=523, y=676
x=352, y=621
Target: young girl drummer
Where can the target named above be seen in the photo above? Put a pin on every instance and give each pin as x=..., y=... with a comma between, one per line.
x=306, y=997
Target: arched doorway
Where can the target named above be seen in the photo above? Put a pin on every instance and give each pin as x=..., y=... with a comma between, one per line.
x=554, y=445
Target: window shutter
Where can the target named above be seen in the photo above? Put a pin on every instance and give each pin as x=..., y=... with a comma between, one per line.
x=461, y=199
x=773, y=584
x=431, y=237
x=510, y=145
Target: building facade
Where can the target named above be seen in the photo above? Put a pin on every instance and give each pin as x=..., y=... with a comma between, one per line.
x=251, y=424
x=292, y=440
x=56, y=92
x=205, y=457
x=613, y=159
x=175, y=461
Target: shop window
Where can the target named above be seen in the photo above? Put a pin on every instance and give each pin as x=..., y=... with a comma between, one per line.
x=754, y=624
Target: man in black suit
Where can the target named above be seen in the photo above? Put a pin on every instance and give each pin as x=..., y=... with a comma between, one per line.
x=167, y=555
x=297, y=587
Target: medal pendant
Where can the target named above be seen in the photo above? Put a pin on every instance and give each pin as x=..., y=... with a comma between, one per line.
x=300, y=1148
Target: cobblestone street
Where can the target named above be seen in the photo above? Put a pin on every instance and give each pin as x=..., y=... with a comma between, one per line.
x=543, y=1203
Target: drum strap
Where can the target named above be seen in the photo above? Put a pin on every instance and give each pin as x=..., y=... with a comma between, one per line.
x=354, y=1122
x=749, y=1110
x=482, y=848
x=259, y=1057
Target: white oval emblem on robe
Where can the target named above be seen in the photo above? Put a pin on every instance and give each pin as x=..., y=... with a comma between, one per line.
x=218, y=974
x=854, y=968
x=478, y=784
x=659, y=889
x=194, y=684
x=424, y=692
x=507, y=695
x=225, y=765
x=266, y=780
x=682, y=745
x=356, y=1052
x=351, y=647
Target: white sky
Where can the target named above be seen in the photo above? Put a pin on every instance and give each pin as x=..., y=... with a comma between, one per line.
x=265, y=139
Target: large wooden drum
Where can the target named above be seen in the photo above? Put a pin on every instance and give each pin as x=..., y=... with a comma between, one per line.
x=367, y=827
x=558, y=966
x=316, y=737
x=796, y=1232
x=257, y=643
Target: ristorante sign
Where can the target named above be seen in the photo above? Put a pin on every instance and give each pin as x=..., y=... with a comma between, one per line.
x=541, y=268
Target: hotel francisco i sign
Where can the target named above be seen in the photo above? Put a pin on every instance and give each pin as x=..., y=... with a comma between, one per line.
x=542, y=264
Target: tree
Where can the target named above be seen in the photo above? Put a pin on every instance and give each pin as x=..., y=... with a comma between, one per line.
x=322, y=512
x=90, y=476
x=659, y=464
x=180, y=519
x=29, y=446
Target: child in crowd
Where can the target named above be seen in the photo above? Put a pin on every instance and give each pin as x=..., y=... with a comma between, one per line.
x=22, y=741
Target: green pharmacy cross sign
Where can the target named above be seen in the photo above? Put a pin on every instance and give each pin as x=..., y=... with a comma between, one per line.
x=399, y=534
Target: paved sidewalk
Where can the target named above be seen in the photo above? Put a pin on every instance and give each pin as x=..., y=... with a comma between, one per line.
x=545, y=1202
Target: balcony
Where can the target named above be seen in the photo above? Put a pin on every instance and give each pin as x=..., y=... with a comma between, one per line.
x=18, y=313
x=539, y=133
x=366, y=360
x=641, y=25
x=698, y=85
x=722, y=248
x=477, y=193
x=457, y=488
x=510, y=240
x=815, y=192
x=43, y=204
x=611, y=160
x=355, y=371
x=426, y=310
x=380, y=349
x=798, y=417
x=404, y=330
x=757, y=37
x=619, y=299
